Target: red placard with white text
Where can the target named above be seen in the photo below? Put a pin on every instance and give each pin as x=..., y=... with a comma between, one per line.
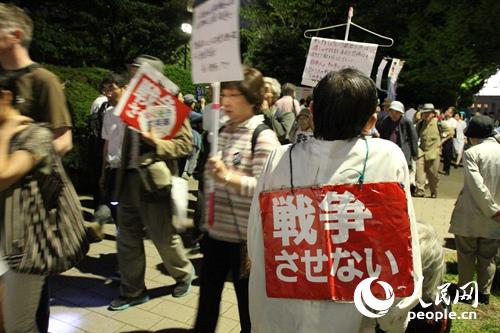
x=320, y=242
x=149, y=104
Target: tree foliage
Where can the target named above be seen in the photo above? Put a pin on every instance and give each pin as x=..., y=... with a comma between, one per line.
x=105, y=33
x=443, y=42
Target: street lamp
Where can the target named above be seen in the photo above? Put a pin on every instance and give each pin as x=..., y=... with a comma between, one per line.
x=187, y=29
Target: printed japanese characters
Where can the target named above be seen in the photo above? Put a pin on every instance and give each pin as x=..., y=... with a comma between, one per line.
x=320, y=242
x=148, y=104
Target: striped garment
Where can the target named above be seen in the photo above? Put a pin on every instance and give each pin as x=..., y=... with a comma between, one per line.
x=232, y=206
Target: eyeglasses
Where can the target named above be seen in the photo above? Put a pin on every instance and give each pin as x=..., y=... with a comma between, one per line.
x=231, y=95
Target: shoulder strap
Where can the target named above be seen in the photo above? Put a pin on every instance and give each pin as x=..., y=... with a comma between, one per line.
x=103, y=107
x=16, y=74
x=255, y=135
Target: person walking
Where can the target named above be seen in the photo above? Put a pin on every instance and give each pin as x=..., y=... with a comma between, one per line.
x=401, y=131
x=141, y=210
x=235, y=174
x=428, y=151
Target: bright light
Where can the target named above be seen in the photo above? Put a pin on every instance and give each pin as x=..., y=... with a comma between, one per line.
x=114, y=203
x=187, y=28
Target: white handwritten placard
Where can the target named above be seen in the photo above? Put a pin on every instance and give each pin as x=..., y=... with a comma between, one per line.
x=215, y=43
x=326, y=55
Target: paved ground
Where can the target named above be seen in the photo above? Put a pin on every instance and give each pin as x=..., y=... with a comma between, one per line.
x=81, y=295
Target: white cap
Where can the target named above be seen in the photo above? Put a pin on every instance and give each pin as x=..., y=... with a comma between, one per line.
x=397, y=106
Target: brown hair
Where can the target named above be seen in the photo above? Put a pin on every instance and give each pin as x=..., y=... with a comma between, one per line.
x=252, y=87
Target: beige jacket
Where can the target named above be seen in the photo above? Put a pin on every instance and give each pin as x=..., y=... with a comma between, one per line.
x=480, y=196
x=168, y=150
x=430, y=139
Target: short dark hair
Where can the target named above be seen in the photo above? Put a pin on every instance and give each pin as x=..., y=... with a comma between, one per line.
x=343, y=101
x=288, y=89
x=9, y=83
x=252, y=87
x=115, y=78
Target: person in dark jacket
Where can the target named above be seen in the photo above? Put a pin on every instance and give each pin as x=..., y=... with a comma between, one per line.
x=400, y=130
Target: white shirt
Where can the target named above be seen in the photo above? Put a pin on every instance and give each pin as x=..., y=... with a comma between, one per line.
x=113, y=129
x=322, y=162
x=96, y=104
x=451, y=122
x=287, y=104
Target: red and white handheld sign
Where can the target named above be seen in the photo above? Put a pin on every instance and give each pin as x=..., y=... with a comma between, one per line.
x=149, y=104
x=320, y=242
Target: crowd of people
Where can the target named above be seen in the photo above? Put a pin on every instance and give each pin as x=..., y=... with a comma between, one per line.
x=267, y=141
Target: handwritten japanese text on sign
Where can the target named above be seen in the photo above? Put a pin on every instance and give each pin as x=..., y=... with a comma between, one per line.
x=215, y=42
x=321, y=242
x=148, y=105
x=326, y=55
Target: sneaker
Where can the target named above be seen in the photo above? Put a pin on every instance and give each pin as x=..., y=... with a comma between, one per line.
x=434, y=195
x=182, y=288
x=418, y=195
x=122, y=302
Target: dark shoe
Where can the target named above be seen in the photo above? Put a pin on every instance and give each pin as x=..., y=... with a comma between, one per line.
x=122, y=302
x=483, y=298
x=94, y=232
x=418, y=195
x=446, y=173
x=182, y=288
x=434, y=195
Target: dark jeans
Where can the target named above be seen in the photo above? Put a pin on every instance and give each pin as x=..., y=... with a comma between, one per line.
x=447, y=155
x=109, y=190
x=43, y=312
x=220, y=258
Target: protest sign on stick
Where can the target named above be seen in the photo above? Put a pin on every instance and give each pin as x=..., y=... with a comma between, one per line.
x=149, y=104
x=327, y=55
x=215, y=42
x=380, y=72
x=215, y=57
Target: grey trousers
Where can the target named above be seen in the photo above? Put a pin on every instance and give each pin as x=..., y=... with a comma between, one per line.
x=427, y=169
x=477, y=254
x=21, y=297
x=137, y=211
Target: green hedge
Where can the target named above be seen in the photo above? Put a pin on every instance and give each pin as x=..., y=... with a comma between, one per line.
x=81, y=88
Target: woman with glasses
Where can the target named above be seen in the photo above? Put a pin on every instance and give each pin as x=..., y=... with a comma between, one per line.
x=244, y=146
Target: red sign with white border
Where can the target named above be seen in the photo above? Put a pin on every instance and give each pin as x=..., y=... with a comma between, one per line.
x=148, y=104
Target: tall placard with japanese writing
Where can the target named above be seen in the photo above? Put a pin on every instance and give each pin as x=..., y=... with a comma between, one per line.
x=149, y=104
x=320, y=242
x=326, y=55
x=215, y=42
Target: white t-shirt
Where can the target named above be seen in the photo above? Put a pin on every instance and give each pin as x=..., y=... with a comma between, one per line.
x=451, y=122
x=113, y=129
x=96, y=104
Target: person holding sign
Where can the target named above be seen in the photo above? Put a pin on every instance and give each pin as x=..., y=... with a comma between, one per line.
x=323, y=220
x=143, y=184
x=235, y=174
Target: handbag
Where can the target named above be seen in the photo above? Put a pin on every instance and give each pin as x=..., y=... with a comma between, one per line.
x=43, y=231
x=155, y=174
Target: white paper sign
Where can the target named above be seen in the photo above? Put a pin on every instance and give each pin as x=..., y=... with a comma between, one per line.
x=380, y=73
x=327, y=55
x=395, y=69
x=215, y=42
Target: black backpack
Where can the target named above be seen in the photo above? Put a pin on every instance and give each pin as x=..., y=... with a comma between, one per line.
x=94, y=122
